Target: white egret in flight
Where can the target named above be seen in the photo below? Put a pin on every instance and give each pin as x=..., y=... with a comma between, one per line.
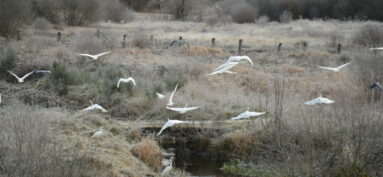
x=319, y=100
x=95, y=57
x=170, y=123
x=337, y=69
x=95, y=107
x=130, y=79
x=182, y=110
x=20, y=80
x=247, y=114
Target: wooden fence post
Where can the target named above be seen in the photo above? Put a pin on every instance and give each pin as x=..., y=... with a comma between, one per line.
x=124, y=41
x=304, y=44
x=213, y=42
x=240, y=47
x=58, y=36
x=98, y=33
x=279, y=47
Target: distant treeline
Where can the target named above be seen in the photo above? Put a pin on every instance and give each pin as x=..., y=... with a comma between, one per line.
x=335, y=9
x=325, y=9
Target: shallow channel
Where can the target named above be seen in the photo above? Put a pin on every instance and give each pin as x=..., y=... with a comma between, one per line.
x=191, y=151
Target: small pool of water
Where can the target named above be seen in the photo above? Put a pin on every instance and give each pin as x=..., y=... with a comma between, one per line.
x=191, y=151
x=199, y=166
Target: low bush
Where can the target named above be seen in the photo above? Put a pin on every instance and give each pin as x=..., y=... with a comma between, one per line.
x=240, y=11
x=370, y=35
x=149, y=152
x=141, y=41
x=117, y=12
x=263, y=20
x=41, y=24
x=62, y=77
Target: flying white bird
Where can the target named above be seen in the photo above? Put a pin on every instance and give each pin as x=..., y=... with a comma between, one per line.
x=95, y=57
x=337, y=69
x=168, y=168
x=95, y=106
x=239, y=58
x=160, y=96
x=378, y=48
x=247, y=114
x=170, y=123
x=235, y=59
x=319, y=100
x=183, y=110
x=43, y=71
x=170, y=102
x=21, y=79
x=377, y=84
x=225, y=68
x=98, y=133
x=130, y=79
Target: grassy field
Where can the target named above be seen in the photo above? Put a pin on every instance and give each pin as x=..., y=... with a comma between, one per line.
x=342, y=139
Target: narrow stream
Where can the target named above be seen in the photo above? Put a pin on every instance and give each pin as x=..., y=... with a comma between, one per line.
x=191, y=152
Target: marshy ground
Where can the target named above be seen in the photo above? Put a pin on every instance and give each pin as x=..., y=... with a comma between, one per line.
x=292, y=139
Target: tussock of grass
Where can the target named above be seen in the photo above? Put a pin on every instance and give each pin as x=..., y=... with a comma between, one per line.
x=196, y=51
x=149, y=152
x=234, y=145
x=8, y=59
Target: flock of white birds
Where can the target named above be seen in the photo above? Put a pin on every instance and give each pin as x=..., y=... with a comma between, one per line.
x=224, y=68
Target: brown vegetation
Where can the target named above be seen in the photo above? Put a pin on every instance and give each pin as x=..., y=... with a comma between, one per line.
x=149, y=152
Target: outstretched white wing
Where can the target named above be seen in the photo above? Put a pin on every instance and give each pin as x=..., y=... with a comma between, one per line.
x=160, y=96
x=225, y=68
x=170, y=103
x=342, y=66
x=14, y=75
x=101, y=54
x=125, y=80
x=166, y=125
x=239, y=58
x=166, y=170
x=130, y=79
x=87, y=55
x=25, y=76
x=328, y=68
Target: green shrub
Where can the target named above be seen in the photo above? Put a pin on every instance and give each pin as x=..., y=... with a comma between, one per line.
x=62, y=77
x=8, y=58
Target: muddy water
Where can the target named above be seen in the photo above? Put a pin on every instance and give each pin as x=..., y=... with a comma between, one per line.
x=199, y=166
x=192, y=152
